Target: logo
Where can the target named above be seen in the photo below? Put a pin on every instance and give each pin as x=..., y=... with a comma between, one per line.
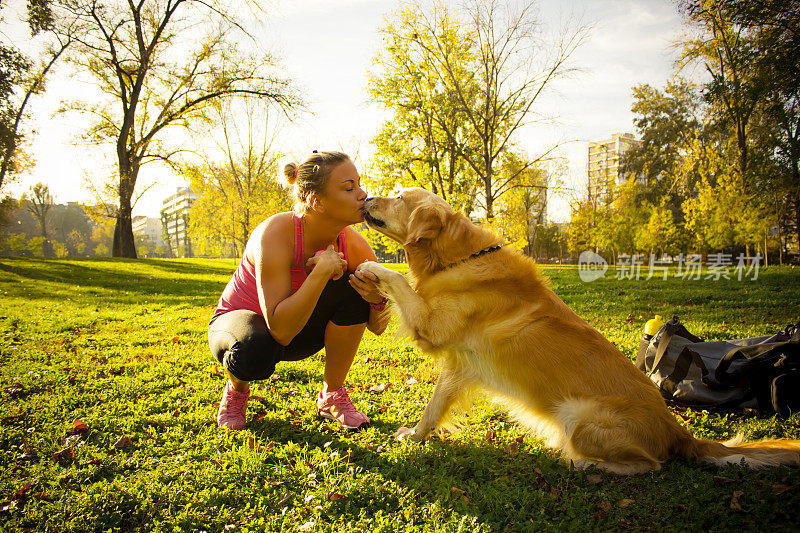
x=591, y=266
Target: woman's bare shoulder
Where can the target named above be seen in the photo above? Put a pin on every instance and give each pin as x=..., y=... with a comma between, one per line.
x=358, y=249
x=274, y=231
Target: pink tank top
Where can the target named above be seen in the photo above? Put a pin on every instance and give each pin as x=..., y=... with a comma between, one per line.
x=241, y=291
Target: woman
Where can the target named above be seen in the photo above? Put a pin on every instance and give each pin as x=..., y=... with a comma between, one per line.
x=294, y=293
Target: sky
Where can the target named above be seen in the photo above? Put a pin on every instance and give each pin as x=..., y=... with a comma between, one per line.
x=327, y=48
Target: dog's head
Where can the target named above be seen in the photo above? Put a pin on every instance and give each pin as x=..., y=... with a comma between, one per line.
x=414, y=216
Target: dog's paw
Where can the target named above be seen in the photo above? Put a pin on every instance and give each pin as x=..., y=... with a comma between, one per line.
x=380, y=272
x=404, y=433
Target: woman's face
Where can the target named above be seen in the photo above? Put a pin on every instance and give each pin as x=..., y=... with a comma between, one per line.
x=344, y=197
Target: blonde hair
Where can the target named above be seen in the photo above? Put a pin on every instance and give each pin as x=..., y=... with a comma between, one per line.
x=311, y=176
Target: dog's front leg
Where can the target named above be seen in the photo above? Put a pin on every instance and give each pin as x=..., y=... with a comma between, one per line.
x=452, y=385
x=414, y=311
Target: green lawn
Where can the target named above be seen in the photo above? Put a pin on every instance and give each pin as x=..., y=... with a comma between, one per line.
x=120, y=346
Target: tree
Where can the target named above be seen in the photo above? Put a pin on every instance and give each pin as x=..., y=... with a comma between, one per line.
x=413, y=146
x=521, y=212
x=20, y=79
x=160, y=71
x=39, y=201
x=497, y=90
x=239, y=190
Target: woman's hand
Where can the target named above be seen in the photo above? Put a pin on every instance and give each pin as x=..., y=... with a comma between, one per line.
x=366, y=284
x=330, y=261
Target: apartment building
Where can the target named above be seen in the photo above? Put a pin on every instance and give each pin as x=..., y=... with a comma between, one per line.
x=175, y=218
x=603, y=164
x=149, y=227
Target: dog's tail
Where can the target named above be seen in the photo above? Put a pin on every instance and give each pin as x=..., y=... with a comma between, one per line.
x=755, y=454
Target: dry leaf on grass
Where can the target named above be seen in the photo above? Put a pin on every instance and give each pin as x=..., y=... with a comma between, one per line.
x=123, y=443
x=377, y=389
x=512, y=448
x=63, y=457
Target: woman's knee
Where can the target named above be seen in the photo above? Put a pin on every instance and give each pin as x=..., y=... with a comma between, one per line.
x=248, y=361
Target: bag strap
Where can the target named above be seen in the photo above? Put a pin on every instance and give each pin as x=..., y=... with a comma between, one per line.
x=682, y=365
x=671, y=328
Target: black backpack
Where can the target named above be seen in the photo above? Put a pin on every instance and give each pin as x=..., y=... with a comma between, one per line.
x=759, y=373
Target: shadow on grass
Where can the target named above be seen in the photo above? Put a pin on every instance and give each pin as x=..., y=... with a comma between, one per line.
x=172, y=289
x=480, y=481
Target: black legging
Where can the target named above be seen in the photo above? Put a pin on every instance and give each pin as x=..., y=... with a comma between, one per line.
x=241, y=341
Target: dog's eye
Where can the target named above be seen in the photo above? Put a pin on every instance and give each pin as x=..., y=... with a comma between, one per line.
x=399, y=196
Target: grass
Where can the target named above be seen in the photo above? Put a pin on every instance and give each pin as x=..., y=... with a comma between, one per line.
x=108, y=394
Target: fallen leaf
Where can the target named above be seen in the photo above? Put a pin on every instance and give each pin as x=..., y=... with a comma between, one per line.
x=735, y=504
x=21, y=494
x=372, y=447
x=455, y=491
x=383, y=409
x=604, y=505
x=294, y=413
x=257, y=398
x=512, y=448
x=251, y=442
x=286, y=498
x=123, y=443
x=275, y=483
x=625, y=502
x=503, y=478
x=260, y=415
x=335, y=496
x=377, y=389
x=79, y=427
x=490, y=435
x=275, y=377
x=520, y=438
x=594, y=479
x=63, y=457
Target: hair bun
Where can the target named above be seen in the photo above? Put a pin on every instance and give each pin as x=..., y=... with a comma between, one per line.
x=290, y=173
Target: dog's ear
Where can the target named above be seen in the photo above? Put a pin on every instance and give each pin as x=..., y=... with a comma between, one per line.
x=426, y=222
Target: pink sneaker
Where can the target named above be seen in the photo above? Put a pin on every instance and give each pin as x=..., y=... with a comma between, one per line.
x=232, y=408
x=337, y=406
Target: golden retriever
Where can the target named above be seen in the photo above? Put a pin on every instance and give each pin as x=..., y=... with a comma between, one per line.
x=495, y=323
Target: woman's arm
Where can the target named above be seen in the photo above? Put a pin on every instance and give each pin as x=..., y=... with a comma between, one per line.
x=286, y=314
x=364, y=283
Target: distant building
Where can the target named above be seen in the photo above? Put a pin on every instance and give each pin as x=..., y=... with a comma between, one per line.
x=603, y=165
x=149, y=227
x=175, y=221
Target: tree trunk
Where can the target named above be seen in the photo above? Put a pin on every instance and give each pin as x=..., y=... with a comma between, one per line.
x=123, y=230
